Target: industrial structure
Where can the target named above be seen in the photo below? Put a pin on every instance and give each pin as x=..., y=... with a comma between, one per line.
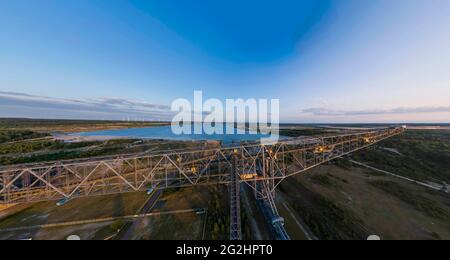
x=260, y=167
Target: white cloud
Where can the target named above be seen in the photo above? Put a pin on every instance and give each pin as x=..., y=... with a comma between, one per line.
x=400, y=110
x=14, y=104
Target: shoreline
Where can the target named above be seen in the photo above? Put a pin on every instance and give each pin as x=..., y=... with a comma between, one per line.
x=72, y=138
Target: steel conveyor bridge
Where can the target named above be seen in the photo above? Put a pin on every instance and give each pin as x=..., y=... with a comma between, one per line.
x=261, y=167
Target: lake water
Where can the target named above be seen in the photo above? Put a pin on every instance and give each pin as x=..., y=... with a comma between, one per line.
x=165, y=132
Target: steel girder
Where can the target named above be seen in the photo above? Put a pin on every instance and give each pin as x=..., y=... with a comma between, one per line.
x=256, y=164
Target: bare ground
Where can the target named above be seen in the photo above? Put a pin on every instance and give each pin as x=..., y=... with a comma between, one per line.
x=355, y=208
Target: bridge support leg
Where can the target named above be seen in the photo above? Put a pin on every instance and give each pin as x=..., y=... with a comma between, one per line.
x=267, y=200
x=235, y=203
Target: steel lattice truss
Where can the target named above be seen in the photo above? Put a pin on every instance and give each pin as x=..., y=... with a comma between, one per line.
x=256, y=165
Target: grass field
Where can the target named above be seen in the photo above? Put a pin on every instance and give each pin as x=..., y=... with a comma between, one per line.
x=363, y=205
x=423, y=155
x=78, y=209
x=69, y=126
x=212, y=225
x=341, y=201
x=297, y=132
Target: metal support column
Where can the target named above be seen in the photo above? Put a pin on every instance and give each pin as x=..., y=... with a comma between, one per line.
x=235, y=202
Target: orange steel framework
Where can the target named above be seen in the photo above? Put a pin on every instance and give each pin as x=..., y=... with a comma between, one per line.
x=261, y=167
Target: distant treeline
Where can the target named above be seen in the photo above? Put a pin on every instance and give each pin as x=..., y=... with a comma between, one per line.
x=12, y=136
x=14, y=123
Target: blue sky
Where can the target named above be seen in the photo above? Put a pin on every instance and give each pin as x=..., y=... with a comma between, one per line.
x=326, y=60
